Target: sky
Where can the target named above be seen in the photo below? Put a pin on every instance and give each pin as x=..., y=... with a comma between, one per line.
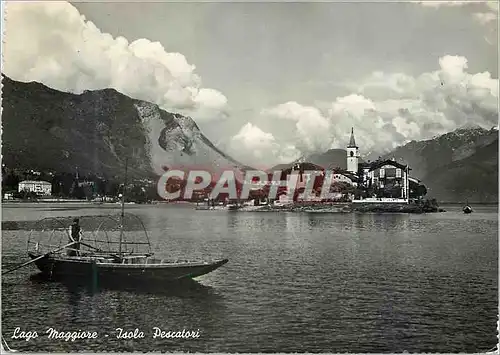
x=270, y=82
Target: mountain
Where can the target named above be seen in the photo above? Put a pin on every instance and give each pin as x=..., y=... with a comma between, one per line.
x=474, y=178
x=93, y=132
x=428, y=155
x=456, y=166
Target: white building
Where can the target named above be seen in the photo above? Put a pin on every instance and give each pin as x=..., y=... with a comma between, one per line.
x=38, y=187
x=345, y=177
x=388, y=178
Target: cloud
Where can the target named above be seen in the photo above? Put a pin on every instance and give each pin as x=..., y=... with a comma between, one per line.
x=487, y=18
x=309, y=123
x=390, y=109
x=256, y=146
x=51, y=42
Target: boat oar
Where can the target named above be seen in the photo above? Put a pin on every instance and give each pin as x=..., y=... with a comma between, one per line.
x=97, y=249
x=40, y=257
x=90, y=246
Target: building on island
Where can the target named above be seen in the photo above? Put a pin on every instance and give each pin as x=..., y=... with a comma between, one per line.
x=38, y=187
x=386, y=178
x=343, y=176
x=382, y=180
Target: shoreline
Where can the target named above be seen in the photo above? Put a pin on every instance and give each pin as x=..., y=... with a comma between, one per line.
x=329, y=207
x=336, y=207
x=162, y=202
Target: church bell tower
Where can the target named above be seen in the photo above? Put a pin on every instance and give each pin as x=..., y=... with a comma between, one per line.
x=352, y=155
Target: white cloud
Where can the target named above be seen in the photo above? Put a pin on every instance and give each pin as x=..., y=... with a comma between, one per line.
x=310, y=124
x=51, y=42
x=487, y=18
x=390, y=109
x=256, y=147
x=253, y=138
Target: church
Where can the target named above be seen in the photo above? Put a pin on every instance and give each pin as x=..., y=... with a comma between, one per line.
x=382, y=180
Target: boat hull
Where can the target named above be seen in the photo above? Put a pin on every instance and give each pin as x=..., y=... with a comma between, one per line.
x=81, y=268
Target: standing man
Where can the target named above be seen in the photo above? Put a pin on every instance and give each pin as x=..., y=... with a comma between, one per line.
x=75, y=236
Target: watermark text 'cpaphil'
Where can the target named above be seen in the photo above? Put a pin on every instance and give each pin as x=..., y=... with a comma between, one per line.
x=178, y=184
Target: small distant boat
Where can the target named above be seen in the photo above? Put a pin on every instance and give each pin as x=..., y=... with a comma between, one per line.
x=467, y=209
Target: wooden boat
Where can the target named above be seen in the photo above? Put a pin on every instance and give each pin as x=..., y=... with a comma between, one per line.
x=129, y=269
x=110, y=248
x=128, y=264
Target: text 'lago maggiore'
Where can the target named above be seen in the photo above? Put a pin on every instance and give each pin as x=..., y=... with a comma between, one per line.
x=118, y=333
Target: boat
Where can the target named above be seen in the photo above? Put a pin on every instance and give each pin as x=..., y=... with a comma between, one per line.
x=127, y=269
x=111, y=248
x=131, y=262
x=467, y=209
x=127, y=263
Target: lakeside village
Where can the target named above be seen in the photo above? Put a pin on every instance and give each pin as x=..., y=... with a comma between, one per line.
x=378, y=186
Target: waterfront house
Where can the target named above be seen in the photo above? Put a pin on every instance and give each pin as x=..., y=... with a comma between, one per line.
x=387, y=178
x=381, y=180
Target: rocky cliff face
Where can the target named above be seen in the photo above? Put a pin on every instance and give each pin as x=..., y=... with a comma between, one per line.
x=94, y=132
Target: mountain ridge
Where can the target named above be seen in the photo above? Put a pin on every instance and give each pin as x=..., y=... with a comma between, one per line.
x=474, y=178
x=93, y=132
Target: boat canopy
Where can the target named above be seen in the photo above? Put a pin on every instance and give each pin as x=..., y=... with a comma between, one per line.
x=100, y=235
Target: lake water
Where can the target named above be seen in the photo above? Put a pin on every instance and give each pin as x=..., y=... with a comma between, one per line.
x=312, y=282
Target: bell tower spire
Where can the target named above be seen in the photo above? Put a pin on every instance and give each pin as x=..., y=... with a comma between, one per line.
x=352, y=141
x=352, y=154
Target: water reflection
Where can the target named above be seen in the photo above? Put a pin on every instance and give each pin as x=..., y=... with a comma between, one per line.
x=185, y=289
x=293, y=223
x=189, y=304
x=232, y=220
x=314, y=220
